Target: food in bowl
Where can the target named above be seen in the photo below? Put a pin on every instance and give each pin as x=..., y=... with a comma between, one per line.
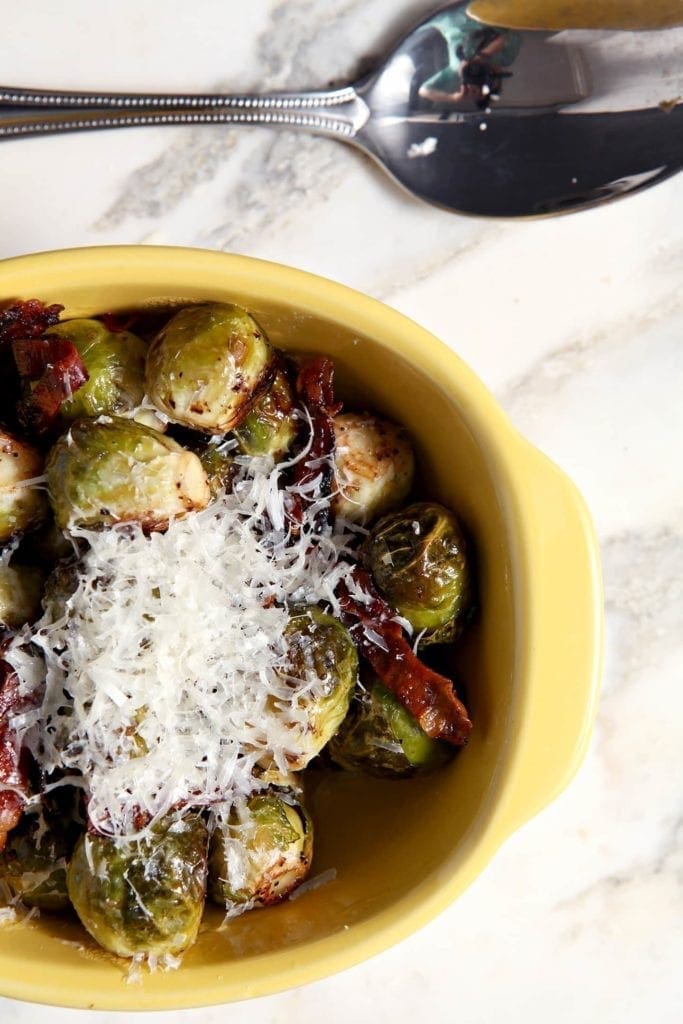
x=392, y=854
x=247, y=588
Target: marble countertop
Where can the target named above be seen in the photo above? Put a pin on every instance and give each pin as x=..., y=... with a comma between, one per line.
x=575, y=323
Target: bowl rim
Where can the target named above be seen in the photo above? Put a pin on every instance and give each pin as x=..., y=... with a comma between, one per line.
x=513, y=795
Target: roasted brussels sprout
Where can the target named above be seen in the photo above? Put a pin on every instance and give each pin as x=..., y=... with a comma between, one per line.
x=218, y=461
x=374, y=466
x=379, y=737
x=115, y=362
x=419, y=561
x=270, y=428
x=145, y=896
x=114, y=470
x=262, y=854
x=321, y=651
x=22, y=507
x=34, y=861
x=209, y=366
x=20, y=592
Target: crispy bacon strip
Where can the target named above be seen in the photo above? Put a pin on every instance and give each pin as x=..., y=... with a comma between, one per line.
x=315, y=390
x=12, y=767
x=428, y=696
x=27, y=319
x=51, y=370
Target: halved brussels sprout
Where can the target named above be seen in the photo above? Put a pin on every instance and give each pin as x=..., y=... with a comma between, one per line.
x=145, y=896
x=374, y=466
x=113, y=470
x=115, y=361
x=271, y=427
x=263, y=853
x=22, y=507
x=34, y=861
x=419, y=561
x=20, y=592
x=319, y=650
x=208, y=366
x=379, y=737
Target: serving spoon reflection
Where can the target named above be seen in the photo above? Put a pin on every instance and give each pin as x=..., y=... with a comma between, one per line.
x=471, y=117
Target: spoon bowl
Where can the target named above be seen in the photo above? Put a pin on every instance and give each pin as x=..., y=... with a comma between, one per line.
x=472, y=117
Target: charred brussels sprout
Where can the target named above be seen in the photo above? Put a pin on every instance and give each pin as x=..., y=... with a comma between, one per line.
x=374, y=466
x=20, y=592
x=115, y=362
x=112, y=470
x=22, y=507
x=270, y=428
x=208, y=367
x=321, y=652
x=419, y=561
x=262, y=854
x=379, y=737
x=145, y=896
x=34, y=861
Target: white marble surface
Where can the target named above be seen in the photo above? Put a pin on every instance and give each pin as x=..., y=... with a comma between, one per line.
x=576, y=325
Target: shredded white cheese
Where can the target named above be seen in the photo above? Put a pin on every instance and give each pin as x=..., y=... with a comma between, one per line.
x=155, y=683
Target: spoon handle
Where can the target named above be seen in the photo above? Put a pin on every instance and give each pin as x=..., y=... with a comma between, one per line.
x=338, y=112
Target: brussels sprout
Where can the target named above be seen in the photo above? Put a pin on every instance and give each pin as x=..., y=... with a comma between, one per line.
x=271, y=427
x=22, y=507
x=321, y=651
x=218, y=461
x=114, y=470
x=208, y=366
x=115, y=361
x=374, y=466
x=20, y=592
x=379, y=737
x=34, y=861
x=145, y=896
x=419, y=562
x=262, y=854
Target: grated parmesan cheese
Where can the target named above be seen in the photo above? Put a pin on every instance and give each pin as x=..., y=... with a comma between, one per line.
x=155, y=684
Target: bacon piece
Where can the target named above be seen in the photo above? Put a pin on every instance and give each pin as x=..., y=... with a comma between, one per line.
x=27, y=319
x=315, y=390
x=428, y=696
x=315, y=385
x=12, y=765
x=51, y=369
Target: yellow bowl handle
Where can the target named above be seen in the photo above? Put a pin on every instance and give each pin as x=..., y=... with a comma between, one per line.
x=560, y=660
x=555, y=15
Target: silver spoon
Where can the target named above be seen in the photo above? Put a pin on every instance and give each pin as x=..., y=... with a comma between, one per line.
x=473, y=118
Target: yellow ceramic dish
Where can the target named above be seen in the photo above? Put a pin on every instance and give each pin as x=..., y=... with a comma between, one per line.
x=402, y=851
